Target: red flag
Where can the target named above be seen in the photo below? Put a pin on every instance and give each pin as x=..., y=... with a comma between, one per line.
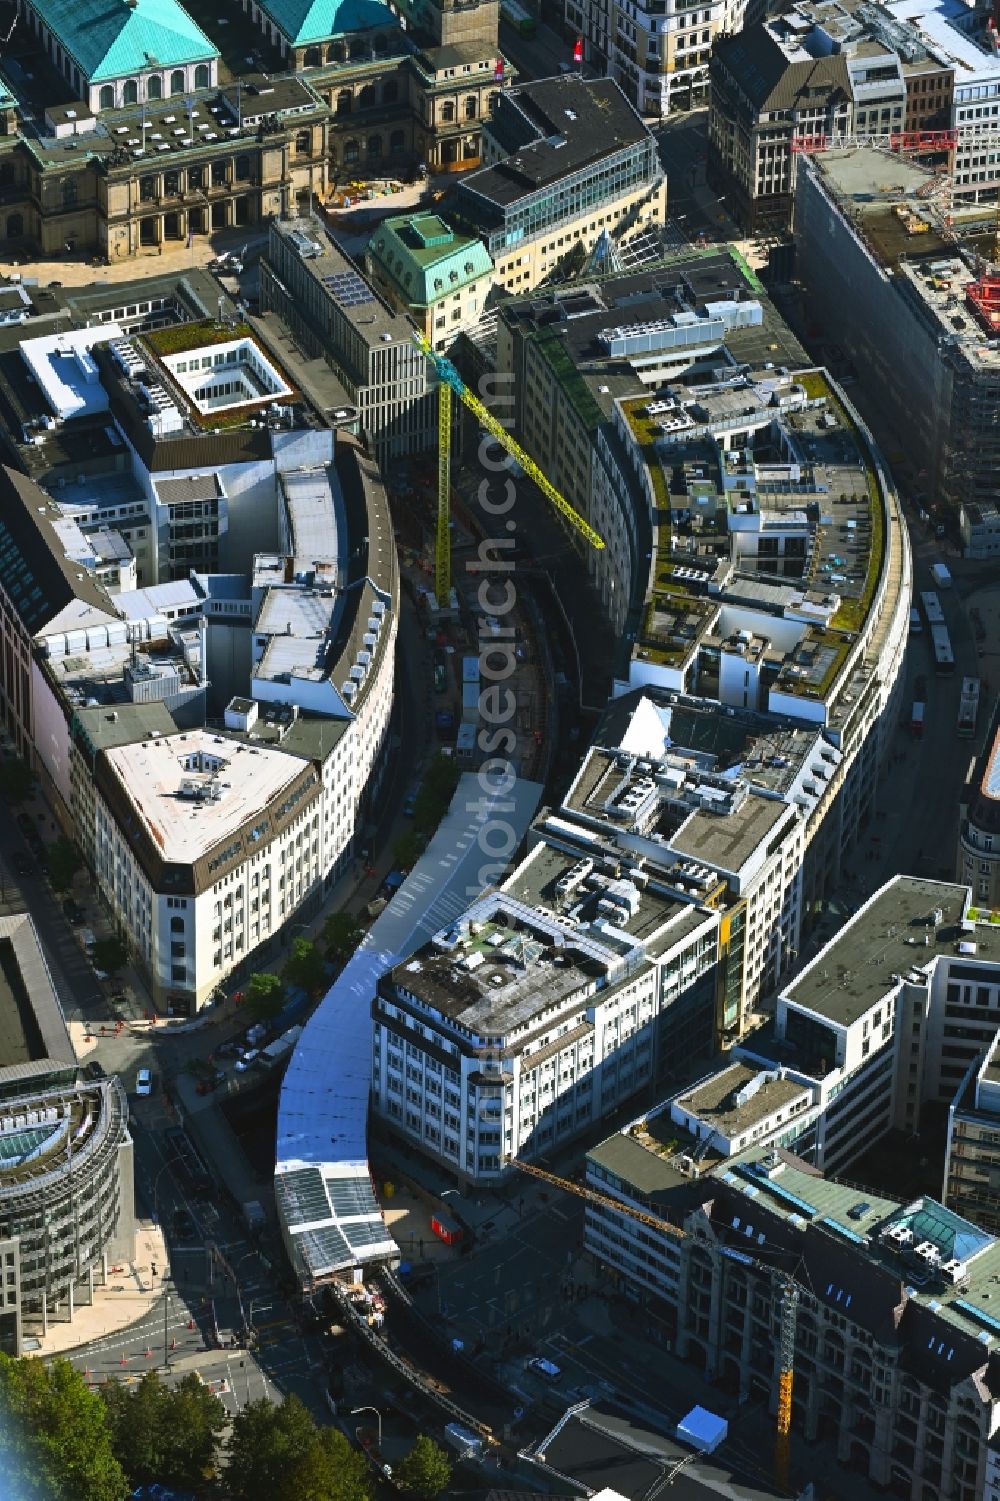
x=498, y=71
x=578, y=50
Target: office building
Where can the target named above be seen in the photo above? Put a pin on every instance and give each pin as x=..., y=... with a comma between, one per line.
x=972, y=1161
x=566, y=158
x=439, y=278
x=895, y=1344
x=818, y=70
x=66, y=1191
x=659, y=55
x=978, y=863
x=267, y=603
x=979, y=527
x=335, y=313
x=578, y=349
x=910, y=309
x=520, y=1027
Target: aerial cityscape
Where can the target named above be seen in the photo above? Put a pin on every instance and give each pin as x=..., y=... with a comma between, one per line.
x=500, y=750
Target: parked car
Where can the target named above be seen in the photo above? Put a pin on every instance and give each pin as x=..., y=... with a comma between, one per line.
x=247, y=1061
x=23, y=866
x=211, y=1081
x=184, y=1225
x=144, y=1082
x=74, y=912
x=544, y=1368
x=410, y=805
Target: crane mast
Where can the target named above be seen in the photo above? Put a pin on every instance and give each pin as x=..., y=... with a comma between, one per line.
x=451, y=381
x=788, y=1302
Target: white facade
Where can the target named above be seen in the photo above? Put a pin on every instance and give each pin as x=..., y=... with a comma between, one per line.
x=658, y=53
x=555, y=1068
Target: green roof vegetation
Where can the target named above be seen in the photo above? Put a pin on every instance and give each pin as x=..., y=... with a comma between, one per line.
x=852, y=613
x=180, y=337
x=569, y=377
x=744, y=267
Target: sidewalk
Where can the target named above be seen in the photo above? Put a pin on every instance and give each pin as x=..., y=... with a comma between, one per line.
x=78, y=271
x=131, y=1293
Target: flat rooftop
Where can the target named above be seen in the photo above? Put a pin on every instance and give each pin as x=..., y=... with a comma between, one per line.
x=728, y=840
x=715, y=1102
x=886, y=937
x=369, y=314
x=646, y=1157
x=956, y=33
x=491, y=977
x=192, y=790
x=536, y=880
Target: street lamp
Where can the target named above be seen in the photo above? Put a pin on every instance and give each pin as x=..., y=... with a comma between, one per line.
x=378, y=1418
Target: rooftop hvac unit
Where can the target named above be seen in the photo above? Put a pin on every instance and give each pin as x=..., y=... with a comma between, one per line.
x=928, y=1253
x=954, y=1271
x=899, y=1235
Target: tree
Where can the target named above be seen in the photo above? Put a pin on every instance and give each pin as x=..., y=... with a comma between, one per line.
x=407, y=850
x=15, y=780
x=425, y=1471
x=278, y=1454
x=63, y=861
x=165, y=1434
x=265, y=996
x=305, y=965
x=110, y=955
x=55, y=1440
x=342, y=933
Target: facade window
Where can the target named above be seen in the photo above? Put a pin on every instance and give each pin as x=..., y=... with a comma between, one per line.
x=130, y=93
x=471, y=107
x=397, y=142
x=241, y=169
x=345, y=101
x=351, y=151
x=303, y=143
x=447, y=111
x=107, y=97
x=312, y=58
x=374, y=145
x=390, y=91
x=154, y=87
x=201, y=76
x=177, y=81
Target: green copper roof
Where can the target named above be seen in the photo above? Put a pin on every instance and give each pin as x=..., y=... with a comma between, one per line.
x=305, y=21
x=112, y=39
x=426, y=258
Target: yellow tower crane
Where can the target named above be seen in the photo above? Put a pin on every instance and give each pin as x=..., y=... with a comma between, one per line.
x=450, y=381
x=789, y=1292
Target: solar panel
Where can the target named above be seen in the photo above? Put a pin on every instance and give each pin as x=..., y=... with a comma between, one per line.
x=323, y=1250
x=366, y=1233
x=348, y=288
x=351, y=1196
x=303, y=1196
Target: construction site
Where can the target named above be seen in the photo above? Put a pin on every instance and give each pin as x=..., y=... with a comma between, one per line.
x=911, y=283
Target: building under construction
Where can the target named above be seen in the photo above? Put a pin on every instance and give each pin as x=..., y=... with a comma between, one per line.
x=914, y=305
